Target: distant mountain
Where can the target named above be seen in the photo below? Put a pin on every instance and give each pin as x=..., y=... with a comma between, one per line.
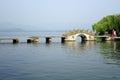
x=10, y=27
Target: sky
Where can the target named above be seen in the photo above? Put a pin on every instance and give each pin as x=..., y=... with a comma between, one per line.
x=55, y=14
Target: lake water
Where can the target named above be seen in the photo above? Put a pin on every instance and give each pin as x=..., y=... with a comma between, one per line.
x=91, y=60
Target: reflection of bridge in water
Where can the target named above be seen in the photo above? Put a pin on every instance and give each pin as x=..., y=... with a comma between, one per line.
x=76, y=47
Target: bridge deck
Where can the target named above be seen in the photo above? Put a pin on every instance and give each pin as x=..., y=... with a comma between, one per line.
x=14, y=38
x=20, y=38
x=106, y=37
x=50, y=36
x=116, y=37
x=101, y=36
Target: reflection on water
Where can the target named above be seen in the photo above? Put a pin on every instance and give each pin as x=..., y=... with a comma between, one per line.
x=111, y=52
x=113, y=46
x=82, y=46
x=88, y=60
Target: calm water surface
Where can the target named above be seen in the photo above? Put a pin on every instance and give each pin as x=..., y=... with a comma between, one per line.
x=55, y=61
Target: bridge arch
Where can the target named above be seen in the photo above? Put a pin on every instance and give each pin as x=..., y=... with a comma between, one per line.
x=85, y=35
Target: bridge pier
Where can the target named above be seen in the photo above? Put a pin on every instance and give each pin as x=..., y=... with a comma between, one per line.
x=15, y=41
x=48, y=39
x=32, y=40
x=29, y=41
x=62, y=39
x=103, y=38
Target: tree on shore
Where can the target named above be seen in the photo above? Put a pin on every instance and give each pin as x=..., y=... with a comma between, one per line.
x=107, y=24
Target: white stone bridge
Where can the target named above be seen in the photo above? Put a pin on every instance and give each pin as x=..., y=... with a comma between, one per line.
x=84, y=34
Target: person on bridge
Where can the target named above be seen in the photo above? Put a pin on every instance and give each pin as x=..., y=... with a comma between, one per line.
x=113, y=33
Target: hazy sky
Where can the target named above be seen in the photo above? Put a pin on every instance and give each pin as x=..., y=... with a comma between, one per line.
x=55, y=14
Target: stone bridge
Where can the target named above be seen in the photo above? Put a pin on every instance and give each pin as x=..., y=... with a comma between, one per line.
x=84, y=34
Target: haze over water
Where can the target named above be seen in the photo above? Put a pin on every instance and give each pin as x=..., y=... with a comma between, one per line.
x=91, y=60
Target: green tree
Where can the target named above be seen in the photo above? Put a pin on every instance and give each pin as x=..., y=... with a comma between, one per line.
x=107, y=24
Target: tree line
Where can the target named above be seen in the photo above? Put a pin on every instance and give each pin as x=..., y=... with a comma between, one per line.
x=107, y=24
